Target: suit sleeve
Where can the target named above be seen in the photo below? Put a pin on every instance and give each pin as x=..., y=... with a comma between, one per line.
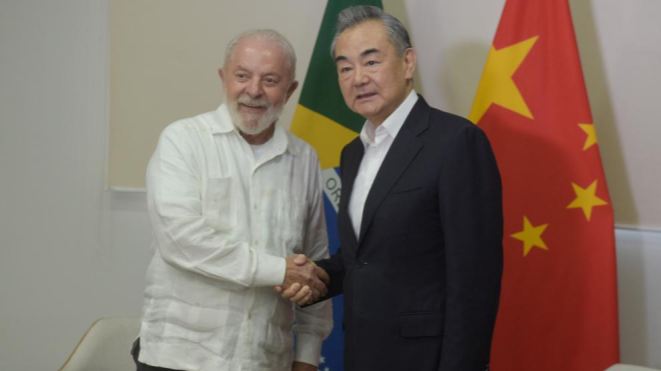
x=334, y=265
x=470, y=197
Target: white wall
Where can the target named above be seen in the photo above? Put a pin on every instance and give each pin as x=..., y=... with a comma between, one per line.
x=59, y=270
x=638, y=260
x=70, y=252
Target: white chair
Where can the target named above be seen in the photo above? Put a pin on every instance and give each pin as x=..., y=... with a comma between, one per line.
x=105, y=346
x=622, y=367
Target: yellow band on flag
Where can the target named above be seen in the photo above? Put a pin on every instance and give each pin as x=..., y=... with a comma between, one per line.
x=325, y=135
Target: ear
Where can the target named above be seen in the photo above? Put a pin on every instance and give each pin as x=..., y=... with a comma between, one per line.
x=221, y=73
x=410, y=58
x=291, y=89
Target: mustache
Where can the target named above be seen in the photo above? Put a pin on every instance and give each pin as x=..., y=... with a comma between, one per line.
x=247, y=101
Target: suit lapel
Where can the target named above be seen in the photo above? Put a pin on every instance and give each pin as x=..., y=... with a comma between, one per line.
x=355, y=152
x=404, y=149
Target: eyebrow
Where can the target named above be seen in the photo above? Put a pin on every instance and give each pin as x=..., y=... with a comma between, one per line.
x=362, y=55
x=270, y=73
x=369, y=51
x=340, y=58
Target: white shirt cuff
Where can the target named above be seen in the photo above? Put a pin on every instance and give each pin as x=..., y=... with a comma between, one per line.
x=270, y=270
x=308, y=348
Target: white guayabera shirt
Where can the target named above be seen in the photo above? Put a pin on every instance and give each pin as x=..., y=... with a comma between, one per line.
x=223, y=223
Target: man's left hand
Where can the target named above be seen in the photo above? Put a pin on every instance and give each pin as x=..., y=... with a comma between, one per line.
x=300, y=366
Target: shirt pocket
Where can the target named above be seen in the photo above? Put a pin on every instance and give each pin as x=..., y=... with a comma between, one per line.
x=196, y=309
x=218, y=205
x=278, y=338
x=291, y=221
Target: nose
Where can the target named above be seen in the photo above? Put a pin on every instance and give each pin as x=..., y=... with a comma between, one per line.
x=360, y=77
x=254, y=88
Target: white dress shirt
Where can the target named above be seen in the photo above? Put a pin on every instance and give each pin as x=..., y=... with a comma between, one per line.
x=377, y=142
x=223, y=223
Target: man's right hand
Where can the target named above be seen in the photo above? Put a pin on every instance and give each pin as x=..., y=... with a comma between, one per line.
x=303, y=276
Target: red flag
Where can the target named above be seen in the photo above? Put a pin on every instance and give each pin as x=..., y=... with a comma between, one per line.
x=558, y=306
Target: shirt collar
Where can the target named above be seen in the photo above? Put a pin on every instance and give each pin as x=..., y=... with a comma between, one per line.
x=222, y=124
x=370, y=135
x=222, y=121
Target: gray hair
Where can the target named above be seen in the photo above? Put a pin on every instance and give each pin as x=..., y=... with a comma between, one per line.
x=268, y=35
x=355, y=15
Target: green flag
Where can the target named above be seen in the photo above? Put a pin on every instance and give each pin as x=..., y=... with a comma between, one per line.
x=322, y=118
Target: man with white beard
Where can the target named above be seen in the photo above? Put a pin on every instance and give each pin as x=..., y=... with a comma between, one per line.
x=234, y=200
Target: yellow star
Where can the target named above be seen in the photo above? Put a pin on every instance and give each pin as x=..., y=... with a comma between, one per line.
x=531, y=236
x=592, y=135
x=586, y=199
x=497, y=85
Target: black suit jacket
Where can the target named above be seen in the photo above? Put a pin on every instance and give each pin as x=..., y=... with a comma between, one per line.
x=421, y=283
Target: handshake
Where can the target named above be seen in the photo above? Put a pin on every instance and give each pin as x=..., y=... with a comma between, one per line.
x=304, y=281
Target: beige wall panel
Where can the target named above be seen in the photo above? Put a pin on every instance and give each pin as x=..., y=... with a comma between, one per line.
x=164, y=62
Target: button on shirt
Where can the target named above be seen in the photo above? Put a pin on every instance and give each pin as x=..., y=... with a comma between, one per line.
x=377, y=142
x=222, y=223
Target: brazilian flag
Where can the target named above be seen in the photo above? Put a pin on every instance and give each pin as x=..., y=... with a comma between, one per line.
x=324, y=121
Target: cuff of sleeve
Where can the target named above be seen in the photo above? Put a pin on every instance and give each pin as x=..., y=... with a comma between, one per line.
x=308, y=349
x=270, y=270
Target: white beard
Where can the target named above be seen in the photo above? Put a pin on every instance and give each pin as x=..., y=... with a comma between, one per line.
x=254, y=123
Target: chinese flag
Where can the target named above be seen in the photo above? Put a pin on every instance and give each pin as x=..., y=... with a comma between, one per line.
x=558, y=307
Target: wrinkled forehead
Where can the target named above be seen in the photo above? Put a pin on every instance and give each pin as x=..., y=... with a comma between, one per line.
x=261, y=55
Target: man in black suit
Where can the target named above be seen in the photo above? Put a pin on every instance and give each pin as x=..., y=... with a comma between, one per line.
x=420, y=218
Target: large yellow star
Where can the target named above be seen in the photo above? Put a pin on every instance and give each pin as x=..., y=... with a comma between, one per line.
x=497, y=85
x=592, y=135
x=586, y=199
x=531, y=236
